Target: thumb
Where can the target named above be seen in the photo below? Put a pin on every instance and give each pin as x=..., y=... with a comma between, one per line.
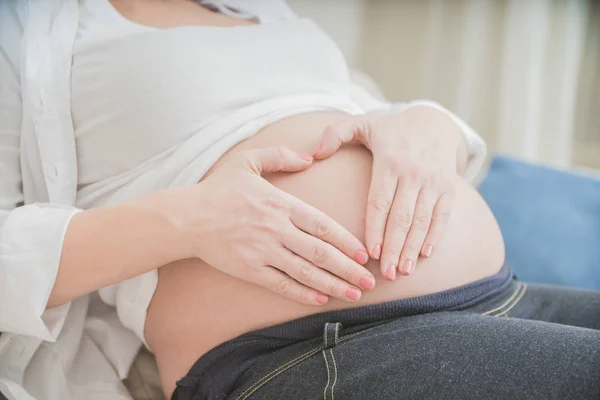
x=353, y=129
x=275, y=159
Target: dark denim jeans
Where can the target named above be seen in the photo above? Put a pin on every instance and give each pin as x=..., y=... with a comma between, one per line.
x=525, y=342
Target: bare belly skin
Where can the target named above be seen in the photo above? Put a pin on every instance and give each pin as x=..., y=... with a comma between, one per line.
x=196, y=307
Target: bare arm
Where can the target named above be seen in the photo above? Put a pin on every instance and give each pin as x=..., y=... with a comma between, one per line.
x=235, y=221
x=108, y=245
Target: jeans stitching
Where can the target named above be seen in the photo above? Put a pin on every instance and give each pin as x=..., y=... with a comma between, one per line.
x=507, y=306
x=328, y=376
x=506, y=303
x=343, y=338
x=351, y=335
x=266, y=378
x=335, y=374
x=519, y=297
x=336, y=333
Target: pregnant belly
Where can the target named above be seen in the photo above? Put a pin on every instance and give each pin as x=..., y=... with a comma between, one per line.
x=195, y=307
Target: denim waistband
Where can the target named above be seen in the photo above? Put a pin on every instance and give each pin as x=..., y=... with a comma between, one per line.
x=220, y=367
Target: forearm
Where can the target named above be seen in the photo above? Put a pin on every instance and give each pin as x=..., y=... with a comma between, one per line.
x=108, y=245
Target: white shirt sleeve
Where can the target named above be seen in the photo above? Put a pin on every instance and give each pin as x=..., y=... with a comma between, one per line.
x=475, y=144
x=31, y=236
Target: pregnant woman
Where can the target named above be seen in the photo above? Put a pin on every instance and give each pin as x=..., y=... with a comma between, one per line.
x=265, y=227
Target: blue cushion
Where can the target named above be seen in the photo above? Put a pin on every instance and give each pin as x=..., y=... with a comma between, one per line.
x=550, y=220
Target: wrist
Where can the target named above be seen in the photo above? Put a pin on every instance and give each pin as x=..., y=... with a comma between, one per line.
x=164, y=220
x=440, y=122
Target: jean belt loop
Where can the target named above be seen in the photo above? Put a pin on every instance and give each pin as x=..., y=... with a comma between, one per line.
x=331, y=333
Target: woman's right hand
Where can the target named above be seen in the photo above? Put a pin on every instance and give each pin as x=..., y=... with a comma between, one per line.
x=246, y=227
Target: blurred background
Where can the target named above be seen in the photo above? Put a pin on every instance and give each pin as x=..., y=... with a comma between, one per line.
x=525, y=74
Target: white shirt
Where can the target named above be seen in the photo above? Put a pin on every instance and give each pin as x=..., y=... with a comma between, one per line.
x=81, y=349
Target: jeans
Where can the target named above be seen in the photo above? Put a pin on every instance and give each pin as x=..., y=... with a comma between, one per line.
x=525, y=342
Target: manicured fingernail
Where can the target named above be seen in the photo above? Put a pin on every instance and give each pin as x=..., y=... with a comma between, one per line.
x=353, y=293
x=322, y=299
x=376, y=252
x=390, y=272
x=428, y=250
x=367, y=282
x=318, y=148
x=361, y=256
x=305, y=157
x=408, y=267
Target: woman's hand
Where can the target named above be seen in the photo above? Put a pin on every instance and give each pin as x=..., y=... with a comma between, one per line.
x=248, y=228
x=415, y=153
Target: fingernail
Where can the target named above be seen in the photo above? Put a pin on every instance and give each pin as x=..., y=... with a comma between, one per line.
x=353, y=293
x=428, y=250
x=305, y=157
x=367, y=282
x=376, y=252
x=318, y=148
x=408, y=267
x=361, y=256
x=322, y=299
x=390, y=272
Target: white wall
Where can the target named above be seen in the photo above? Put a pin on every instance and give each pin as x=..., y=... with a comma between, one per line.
x=518, y=71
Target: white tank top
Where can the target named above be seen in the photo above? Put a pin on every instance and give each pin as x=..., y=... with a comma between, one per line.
x=155, y=108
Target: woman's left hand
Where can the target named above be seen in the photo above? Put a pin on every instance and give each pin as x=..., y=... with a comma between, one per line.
x=416, y=152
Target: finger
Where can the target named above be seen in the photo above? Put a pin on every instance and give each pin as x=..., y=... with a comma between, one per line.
x=316, y=278
x=354, y=128
x=286, y=286
x=380, y=199
x=439, y=221
x=327, y=257
x=398, y=225
x=418, y=231
x=321, y=226
x=274, y=159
